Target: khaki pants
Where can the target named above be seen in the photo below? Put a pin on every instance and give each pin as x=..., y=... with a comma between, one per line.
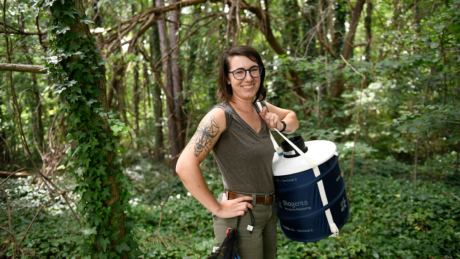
x=261, y=244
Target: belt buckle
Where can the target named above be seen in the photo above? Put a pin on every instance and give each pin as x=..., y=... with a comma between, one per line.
x=265, y=200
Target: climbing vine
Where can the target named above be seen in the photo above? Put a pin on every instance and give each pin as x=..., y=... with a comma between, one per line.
x=78, y=71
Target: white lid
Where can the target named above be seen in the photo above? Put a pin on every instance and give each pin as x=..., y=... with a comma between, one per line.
x=318, y=150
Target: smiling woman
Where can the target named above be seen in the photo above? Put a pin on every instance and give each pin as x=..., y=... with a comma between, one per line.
x=239, y=135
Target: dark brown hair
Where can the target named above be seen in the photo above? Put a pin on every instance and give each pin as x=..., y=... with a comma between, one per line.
x=225, y=92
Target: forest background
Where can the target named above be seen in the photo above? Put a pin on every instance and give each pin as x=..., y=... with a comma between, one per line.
x=98, y=98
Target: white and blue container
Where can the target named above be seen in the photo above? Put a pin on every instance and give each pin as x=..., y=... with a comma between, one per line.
x=310, y=191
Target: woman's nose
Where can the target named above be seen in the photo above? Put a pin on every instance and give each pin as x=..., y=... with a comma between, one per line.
x=248, y=76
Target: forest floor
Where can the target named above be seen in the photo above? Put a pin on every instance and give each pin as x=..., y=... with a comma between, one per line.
x=389, y=218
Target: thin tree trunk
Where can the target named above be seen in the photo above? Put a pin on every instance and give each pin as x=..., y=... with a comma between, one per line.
x=193, y=43
x=176, y=74
x=368, y=26
x=37, y=123
x=136, y=90
x=168, y=85
x=417, y=139
x=39, y=131
x=310, y=18
x=146, y=121
x=339, y=26
x=291, y=37
x=356, y=15
x=338, y=86
x=116, y=81
x=136, y=93
x=121, y=91
x=155, y=55
x=4, y=149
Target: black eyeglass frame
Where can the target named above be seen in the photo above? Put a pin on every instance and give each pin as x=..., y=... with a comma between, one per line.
x=246, y=72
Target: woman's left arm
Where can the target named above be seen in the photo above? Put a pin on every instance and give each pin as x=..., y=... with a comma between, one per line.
x=274, y=115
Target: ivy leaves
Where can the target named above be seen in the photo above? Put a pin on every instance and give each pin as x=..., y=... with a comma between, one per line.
x=78, y=70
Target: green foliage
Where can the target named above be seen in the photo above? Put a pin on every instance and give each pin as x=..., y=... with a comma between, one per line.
x=389, y=219
x=54, y=232
x=78, y=69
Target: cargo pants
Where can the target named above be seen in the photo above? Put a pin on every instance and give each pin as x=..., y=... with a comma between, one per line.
x=261, y=244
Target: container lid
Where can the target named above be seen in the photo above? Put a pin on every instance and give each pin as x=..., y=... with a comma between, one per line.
x=318, y=150
x=289, y=151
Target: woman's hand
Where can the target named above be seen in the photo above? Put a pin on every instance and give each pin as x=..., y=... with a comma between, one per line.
x=271, y=119
x=233, y=208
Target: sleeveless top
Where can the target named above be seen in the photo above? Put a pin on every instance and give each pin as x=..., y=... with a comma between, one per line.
x=244, y=157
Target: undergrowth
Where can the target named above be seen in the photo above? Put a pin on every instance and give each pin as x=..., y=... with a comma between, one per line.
x=389, y=219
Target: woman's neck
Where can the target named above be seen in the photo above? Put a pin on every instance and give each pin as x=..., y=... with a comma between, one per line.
x=241, y=104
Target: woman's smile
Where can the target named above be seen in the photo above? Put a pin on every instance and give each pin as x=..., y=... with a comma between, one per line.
x=248, y=86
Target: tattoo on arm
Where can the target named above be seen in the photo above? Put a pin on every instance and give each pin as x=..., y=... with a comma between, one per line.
x=204, y=135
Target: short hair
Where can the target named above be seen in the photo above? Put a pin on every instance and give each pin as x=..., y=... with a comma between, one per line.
x=225, y=92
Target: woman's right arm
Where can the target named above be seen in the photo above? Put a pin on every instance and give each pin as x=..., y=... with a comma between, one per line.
x=188, y=167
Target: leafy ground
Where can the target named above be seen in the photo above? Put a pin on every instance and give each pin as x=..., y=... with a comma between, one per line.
x=389, y=219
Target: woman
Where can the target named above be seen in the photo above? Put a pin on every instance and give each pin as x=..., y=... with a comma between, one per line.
x=238, y=132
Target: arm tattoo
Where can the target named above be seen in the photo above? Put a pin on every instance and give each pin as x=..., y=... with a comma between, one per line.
x=204, y=135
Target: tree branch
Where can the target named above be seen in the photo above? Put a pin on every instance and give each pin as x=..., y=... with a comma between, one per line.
x=356, y=14
x=22, y=68
x=13, y=30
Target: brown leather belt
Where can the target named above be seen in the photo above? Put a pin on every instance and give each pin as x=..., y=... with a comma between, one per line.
x=260, y=199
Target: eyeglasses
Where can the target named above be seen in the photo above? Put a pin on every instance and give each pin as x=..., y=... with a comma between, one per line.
x=240, y=73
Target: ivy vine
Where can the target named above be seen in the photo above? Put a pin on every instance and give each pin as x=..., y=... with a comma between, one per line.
x=79, y=72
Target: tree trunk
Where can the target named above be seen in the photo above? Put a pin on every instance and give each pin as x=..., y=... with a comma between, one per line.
x=146, y=96
x=155, y=54
x=136, y=90
x=136, y=98
x=338, y=86
x=39, y=131
x=356, y=15
x=38, y=126
x=97, y=172
x=177, y=78
x=168, y=88
x=193, y=43
x=368, y=27
x=291, y=37
x=4, y=149
x=339, y=26
x=116, y=81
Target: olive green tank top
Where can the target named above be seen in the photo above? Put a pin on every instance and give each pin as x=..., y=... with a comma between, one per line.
x=244, y=157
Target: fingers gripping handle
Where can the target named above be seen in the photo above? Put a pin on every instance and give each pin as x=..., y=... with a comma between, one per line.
x=278, y=149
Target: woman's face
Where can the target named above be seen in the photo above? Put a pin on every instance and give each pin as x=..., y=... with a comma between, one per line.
x=246, y=88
